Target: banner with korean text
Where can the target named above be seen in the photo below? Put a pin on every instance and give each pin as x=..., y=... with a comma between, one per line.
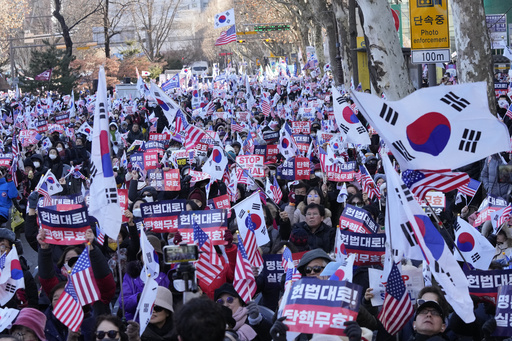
x=368, y=248
x=66, y=227
x=162, y=216
x=213, y=222
x=357, y=220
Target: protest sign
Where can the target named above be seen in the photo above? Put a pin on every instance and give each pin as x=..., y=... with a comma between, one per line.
x=315, y=306
x=181, y=157
x=156, y=179
x=345, y=172
x=301, y=127
x=489, y=205
x=503, y=315
x=162, y=216
x=172, y=180
x=213, y=222
x=272, y=270
x=159, y=137
x=150, y=160
x=198, y=176
x=122, y=195
x=368, y=248
x=485, y=284
x=357, y=220
x=303, y=142
x=65, y=227
x=252, y=163
x=137, y=160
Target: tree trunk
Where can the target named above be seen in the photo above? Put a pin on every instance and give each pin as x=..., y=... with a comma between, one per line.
x=474, y=59
x=392, y=76
x=341, y=11
x=106, y=27
x=319, y=46
x=64, y=27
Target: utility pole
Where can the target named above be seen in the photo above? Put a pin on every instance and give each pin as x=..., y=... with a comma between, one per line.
x=11, y=57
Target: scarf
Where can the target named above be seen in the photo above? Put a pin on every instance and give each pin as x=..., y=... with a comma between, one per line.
x=244, y=331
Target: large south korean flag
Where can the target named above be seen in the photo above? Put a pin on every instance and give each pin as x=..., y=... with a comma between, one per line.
x=437, y=128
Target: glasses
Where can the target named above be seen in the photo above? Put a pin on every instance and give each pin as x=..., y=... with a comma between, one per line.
x=229, y=300
x=311, y=196
x=100, y=334
x=157, y=308
x=72, y=261
x=357, y=204
x=316, y=269
x=432, y=312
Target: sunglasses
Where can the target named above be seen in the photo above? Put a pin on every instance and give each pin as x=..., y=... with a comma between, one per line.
x=72, y=261
x=100, y=335
x=357, y=204
x=158, y=309
x=229, y=300
x=316, y=269
x=432, y=312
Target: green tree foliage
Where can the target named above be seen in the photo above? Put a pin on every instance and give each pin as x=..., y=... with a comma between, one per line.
x=63, y=78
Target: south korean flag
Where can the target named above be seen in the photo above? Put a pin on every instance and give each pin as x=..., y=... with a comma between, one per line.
x=350, y=127
x=442, y=127
x=287, y=146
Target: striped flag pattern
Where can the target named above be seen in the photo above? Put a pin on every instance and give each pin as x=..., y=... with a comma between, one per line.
x=244, y=283
x=226, y=37
x=367, y=184
x=83, y=280
x=397, y=308
x=274, y=191
x=470, y=188
x=68, y=310
x=422, y=181
x=250, y=245
x=194, y=136
x=265, y=105
x=509, y=111
x=505, y=216
x=235, y=126
x=15, y=156
x=181, y=122
x=206, y=271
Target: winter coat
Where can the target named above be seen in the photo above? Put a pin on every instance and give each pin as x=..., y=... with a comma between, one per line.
x=8, y=192
x=299, y=215
x=490, y=176
x=133, y=286
x=322, y=238
x=153, y=333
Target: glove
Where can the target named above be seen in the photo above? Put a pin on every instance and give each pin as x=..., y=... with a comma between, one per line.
x=228, y=237
x=32, y=200
x=177, y=239
x=489, y=326
x=252, y=310
x=132, y=330
x=353, y=331
x=278, y=330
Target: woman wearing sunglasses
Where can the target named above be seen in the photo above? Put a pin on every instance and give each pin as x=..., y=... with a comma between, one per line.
x=161, y=324
x=109, y=328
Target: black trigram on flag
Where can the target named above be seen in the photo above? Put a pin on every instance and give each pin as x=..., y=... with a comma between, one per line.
x=402, y=150
x=361, y=130
x=469, y=140
x=409, y=234
x=111, y=195
x=456, y=102
x=344, y=128
x=102, y=110
x=439, y=269
x=256, y=207
x=407, y=193
x=340, y=100
x=10, y=288
x=388, y=114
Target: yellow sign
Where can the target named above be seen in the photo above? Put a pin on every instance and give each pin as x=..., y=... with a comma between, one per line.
x=83, y=47
x=429, y=24
x=248, y=32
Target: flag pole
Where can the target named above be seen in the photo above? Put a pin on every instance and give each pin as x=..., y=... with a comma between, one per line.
x=120, y=280
x=440, y=226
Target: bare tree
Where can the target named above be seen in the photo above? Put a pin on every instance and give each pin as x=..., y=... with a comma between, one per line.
x=153, y=20
x=83, y=14
x=473, y=45
x=113, y=13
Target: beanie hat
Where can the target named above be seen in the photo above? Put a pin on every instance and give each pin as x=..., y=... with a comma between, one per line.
x=299, y=238
x=309, y=256
x=5, y=233
x=198, y=195
x=32, y=319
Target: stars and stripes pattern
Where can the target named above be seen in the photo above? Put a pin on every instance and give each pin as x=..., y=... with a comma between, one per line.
x=367, y=183
x=470, y=188
x=100, y=236
x=68, y=310
x=181, y=122
x=265, y=104
x=227, y=37
x=235, y=126
x=397, y=308
x=15, y=156
x=422, y=181
x=206, y=271
x=509, y=111
x=250, y=245
x=244, y=283
x=83, y=280
x=505, y=216
x=274, y=191
x=291, y=273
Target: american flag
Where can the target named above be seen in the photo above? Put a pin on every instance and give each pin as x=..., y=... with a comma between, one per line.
x=206, y=271
x=83, y=280
x=470, y=188
x=181, y=122
x=75, y=170
x=194, y=136
x=274, y=191
x=291, y=272
x=397, y=308
x=2, y=260
x=242, y=176
x=367, y=183
x=47, y=201
x=15, y=155
x=422, y=181
x=227, y=37
x=509, y=111
x=235, y=126
x=248, y=144
x=265, y=104
x=244, y=283
x=68, y=310
x=209, y=108
x=250, y=245
x=505, y=216
x=100, y=236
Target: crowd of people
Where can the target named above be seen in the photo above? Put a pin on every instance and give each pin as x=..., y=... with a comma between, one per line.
x=304, y=220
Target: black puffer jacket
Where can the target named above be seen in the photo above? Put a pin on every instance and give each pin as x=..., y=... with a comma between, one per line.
x=322, y=238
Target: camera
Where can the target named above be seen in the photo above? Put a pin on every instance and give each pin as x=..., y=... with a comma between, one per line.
x=180, y=253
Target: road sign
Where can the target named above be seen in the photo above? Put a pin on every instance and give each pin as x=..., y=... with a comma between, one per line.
x=270, y=27
x=430, y=56
x=429, y=24
x=245, y=33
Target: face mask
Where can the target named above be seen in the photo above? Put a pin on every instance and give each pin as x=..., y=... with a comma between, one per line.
x=37, y=164
x=299, y=198
x=112, y=246
x=319, y=174
x=52, y=156
x=148, y=198
x=59, y=149
x=137, y=213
